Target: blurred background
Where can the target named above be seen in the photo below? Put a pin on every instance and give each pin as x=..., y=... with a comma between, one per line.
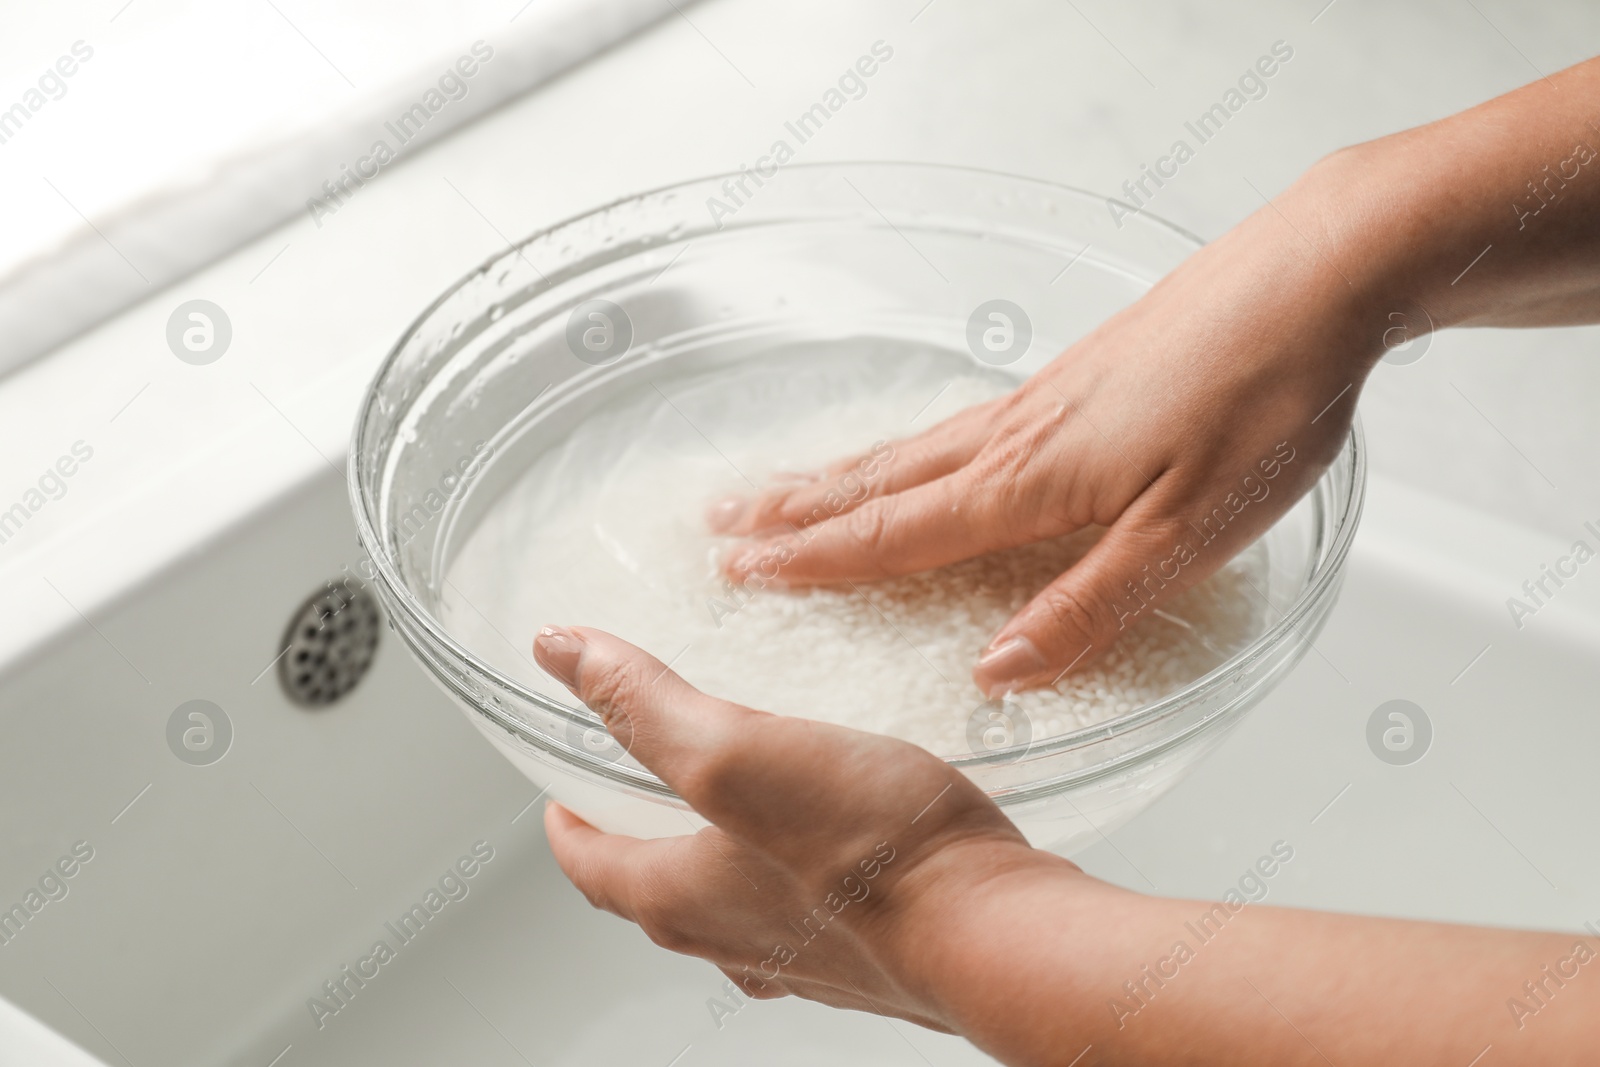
x=154, y=153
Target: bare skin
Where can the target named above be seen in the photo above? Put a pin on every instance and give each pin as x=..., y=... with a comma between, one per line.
x=1257, y=344
x=863, y=872
x=911, y=879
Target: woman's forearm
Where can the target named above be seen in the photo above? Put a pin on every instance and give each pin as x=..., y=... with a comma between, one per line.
x=1490, y=217
x=1044, y=965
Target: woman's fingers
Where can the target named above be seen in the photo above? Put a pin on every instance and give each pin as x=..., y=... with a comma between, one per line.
x=607, y=868
x=887, y=468
x=1085, y=611
x=940, y=522
x=880, y=472
x=796, y=787
x=720, y=757
x=689, y=739
x=679, y=890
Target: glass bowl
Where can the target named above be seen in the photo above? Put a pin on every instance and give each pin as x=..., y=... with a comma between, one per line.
x=876, y=258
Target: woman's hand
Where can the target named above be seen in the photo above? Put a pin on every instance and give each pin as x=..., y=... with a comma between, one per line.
x=1186, y=424
x=832, y=856
x=1166, y=423
x=862, y=872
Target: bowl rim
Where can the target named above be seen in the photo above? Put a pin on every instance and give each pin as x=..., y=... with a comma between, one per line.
x=393, y=590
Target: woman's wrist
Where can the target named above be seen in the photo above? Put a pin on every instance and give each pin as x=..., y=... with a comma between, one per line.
x=1369, y=223
x=1486, y=218
x=987, y=935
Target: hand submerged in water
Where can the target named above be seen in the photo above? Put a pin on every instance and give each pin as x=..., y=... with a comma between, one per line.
x=1186, y=424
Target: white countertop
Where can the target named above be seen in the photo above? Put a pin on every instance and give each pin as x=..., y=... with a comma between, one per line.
x=181, y=452
x=295, y=99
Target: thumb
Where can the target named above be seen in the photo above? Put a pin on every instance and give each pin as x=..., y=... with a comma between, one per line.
x=1084, y=612
x=668, y=725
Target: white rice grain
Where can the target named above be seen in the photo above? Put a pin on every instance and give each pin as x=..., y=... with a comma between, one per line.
x=607, y=530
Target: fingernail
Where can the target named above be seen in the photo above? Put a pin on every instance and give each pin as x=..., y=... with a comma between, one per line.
x=722, y=515
x=1005, y=666
x=742, y=561
x=558, y=650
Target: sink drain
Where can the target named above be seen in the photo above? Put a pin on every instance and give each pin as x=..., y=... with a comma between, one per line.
x=331, y=641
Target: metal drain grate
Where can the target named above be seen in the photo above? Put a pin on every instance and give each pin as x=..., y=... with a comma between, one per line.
x=331, y=641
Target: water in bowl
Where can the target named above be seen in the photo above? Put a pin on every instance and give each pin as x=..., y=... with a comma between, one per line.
x=606, y=528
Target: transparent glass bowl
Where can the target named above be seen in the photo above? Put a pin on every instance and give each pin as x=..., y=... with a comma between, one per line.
x=510, y=360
